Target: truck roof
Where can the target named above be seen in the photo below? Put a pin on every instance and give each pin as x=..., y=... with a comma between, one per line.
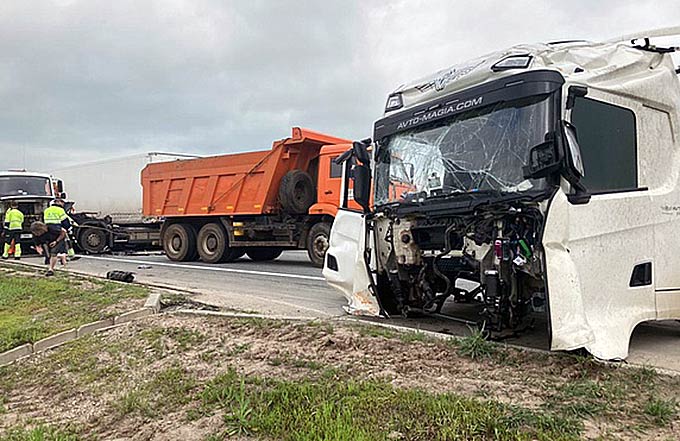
x=616, y=66
x=24, y=173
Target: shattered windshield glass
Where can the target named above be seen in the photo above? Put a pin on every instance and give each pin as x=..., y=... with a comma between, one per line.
x=484, y=149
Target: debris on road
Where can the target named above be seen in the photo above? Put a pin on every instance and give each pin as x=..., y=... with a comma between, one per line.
x=121, y=276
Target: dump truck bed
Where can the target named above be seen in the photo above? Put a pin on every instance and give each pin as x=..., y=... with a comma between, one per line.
x=235, y=184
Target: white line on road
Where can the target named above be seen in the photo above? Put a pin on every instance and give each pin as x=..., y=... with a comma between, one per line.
x=209, y=268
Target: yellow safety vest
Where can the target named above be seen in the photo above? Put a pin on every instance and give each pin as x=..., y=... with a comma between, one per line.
x=14, y=218
x=54, y=215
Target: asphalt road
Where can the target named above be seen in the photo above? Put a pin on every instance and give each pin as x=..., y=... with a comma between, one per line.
x=291, y=286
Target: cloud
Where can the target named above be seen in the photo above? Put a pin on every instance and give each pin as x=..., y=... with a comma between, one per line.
x=82, y=80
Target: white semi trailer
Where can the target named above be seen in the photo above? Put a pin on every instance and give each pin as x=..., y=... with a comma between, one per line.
x=545, y=176
x=107, y=202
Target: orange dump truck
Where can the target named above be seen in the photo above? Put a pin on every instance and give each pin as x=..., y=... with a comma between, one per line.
x=257, y=203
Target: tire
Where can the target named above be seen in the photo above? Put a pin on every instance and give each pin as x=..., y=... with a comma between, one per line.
x=233, y=254
x=317, y=243
x=93, y=240
x=179, y=242
x=212, y=243
x=296, y=192
x=263, y=254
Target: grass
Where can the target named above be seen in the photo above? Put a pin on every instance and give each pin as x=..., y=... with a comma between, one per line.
x=369, y=410
x=32, y=308
x=40, y=433
x=164, y=372
x=661, y=411
x=475, y=345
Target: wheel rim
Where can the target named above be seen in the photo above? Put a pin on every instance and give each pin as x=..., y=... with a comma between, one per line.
x=93, y=240
x=211, y=243
x=176, y=243
x=320, y=245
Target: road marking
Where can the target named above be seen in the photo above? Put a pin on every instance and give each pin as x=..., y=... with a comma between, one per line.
x=209, y=268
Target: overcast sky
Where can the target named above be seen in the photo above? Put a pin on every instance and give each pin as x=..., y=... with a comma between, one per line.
x=84, y=80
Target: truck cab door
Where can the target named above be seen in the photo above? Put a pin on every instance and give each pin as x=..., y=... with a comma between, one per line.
x=330, y=183
x=330, y=180
x=593, y=250
x=344, y=267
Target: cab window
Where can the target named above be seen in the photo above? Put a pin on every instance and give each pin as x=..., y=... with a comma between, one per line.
x=607, y=138
x=336, y=169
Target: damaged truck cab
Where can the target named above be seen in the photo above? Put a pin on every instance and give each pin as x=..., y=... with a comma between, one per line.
x=538, y=181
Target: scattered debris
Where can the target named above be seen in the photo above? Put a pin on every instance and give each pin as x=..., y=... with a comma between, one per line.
x=121, y=276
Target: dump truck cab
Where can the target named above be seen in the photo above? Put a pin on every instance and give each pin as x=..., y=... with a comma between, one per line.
x=544, y=183
x=32, y=191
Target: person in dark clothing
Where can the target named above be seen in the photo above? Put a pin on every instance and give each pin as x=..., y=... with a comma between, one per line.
x=49, y=240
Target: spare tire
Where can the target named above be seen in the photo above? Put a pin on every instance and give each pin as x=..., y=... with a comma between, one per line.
x=296, y=192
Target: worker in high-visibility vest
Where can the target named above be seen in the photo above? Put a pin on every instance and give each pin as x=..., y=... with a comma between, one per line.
x=14, y=221
x=56, y=215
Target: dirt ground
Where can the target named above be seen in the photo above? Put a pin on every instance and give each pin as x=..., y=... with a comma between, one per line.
x=140, y=381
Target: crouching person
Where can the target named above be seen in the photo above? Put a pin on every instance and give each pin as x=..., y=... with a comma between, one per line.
x=49, y=240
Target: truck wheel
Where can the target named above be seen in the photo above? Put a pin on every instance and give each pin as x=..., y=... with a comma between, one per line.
x=296, y=192
x=233, y=254
x=262, y=254
x=93, y=240
x=317, y=242
x=179, y=242
x=212, y=243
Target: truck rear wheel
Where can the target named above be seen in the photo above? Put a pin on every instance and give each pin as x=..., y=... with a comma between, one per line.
x=212, y=243
x=296, y=192
x=93, y=240
x=317, y=242
x=179, y=242
x=263, y=254
x=233, y=254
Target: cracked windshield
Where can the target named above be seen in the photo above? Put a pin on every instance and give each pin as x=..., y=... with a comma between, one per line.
x=480, y=150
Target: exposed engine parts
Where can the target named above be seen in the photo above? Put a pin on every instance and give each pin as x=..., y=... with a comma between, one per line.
x=490, y=257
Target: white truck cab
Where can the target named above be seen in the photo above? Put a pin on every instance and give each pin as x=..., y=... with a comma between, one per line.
x=539, y=180
x=32, y=191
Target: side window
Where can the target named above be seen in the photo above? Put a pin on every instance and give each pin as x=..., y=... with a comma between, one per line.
x=336, y=169
x=607, y=137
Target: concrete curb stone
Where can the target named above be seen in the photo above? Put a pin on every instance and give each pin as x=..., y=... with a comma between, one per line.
x=153, y=302
x=55, y=340
x=133, y=315
x=151, y=307
x=13, y=355
x=90, y=328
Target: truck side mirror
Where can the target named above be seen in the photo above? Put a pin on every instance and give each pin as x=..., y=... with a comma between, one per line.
x=62, y=195
x=60, y=186
x=575, y=92
x=574, y=153
x=543, y=160
x=362, y=186
x=574, y=170
x=360, y=149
